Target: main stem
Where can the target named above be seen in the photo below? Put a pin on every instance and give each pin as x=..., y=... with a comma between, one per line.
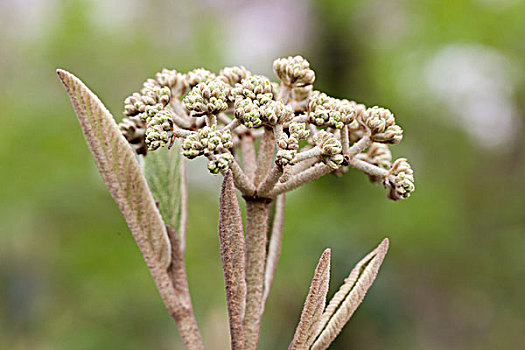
x=257, y=211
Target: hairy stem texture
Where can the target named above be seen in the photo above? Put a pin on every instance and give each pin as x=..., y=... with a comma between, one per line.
x=256, y=229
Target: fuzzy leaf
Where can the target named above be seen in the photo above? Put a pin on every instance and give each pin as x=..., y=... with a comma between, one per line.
x=349, y=296
x=231, y=237
x=121, y=172
x=162, y=173
x=314, y=304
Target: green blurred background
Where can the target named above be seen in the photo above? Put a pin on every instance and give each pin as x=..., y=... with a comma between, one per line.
x=453, y=72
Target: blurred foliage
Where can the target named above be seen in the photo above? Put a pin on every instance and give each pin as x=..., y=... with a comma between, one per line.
x=71, y=276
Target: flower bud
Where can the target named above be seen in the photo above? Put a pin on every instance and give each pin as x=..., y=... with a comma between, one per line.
x=294, y=71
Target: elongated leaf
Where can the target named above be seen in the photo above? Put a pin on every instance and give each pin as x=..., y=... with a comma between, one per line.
x=349, y=296
x=274, y=248
x=314, y=304
x=162, y=173
x=231, y=237
x=121, y=172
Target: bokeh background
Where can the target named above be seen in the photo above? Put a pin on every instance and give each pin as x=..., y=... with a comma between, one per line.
x=453, y=72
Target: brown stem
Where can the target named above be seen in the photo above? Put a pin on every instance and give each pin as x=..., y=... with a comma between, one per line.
x=175, y=293
x=256, y=231
x=248, y=155
x=270, y=180
x=264, y=158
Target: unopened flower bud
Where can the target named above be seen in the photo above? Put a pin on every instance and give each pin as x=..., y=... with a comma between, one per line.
x=209, y=97
x=294, y=71
x=401, y=182
x=234, y=75
x=197, y=76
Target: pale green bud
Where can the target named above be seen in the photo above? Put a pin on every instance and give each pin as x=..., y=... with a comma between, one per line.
x=209, y=97
x=285, y=157
x=247, y=113
x=330, y=147
x=173, y=80
x=197, y=76
x=401, y=184
x=234, y=75
x=159, y=130
x=294, y=71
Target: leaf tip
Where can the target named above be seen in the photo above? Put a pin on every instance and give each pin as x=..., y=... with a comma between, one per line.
x=385, y=243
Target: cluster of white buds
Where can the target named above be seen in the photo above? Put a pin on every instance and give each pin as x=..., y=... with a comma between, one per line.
x=159, y=129
x=312, y=133
x=331, y=149
x=400, y=182
x=173, y=80
x=382, y=125
x=234, y=75
x=197, y=76
x=378, y=154
x=294, y=71
x=209, y=97
x=288, y=144
x=325, y=111
x=211, y=143
x=254, y=103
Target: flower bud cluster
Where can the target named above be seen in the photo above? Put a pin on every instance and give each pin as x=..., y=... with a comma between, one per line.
x=400, y=183
x=151, y=94
x=173, y=80
x=325, y=111
x=378, y=154
x=159, y=129
x=289, y=144
x=382, y=125
x=209, y=97
x=294, y=71
x=211, y=143
x=331, y=149
x=197, y=76
x=234, y=75
x=254, y=104
x=134, y=130
x=290, y=108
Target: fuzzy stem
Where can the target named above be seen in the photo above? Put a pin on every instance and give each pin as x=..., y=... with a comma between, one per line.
x=312, y=152
x=270, y=180
x=182, y=311
x=301, y=166
x=284, y=93
x=345, y=141
x=248, y=155
x=359, y=146
x=211, y=119
x=368, y=168
x=183, y=224
x=241, y=180
x=223, y=118
x=256, y=231
x=300, y=179
x=264, y=158
x=274, y=249
x=232, y=125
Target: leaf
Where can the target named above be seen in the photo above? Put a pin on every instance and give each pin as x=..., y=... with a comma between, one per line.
x=274, y=248
x=231, y=237
x=314, y=304
x=121, y=172
x=349, y=296
x=161, y=169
